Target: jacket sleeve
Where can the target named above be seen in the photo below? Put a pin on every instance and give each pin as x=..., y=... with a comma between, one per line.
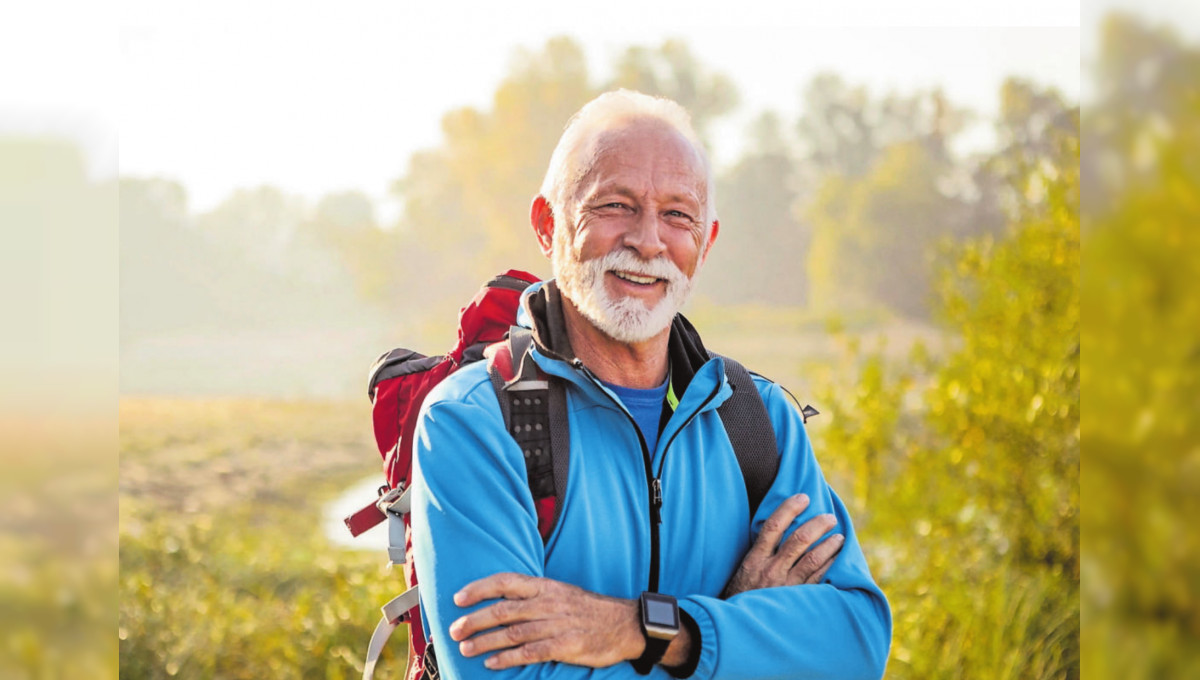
x=840, y=628
x=472, y=517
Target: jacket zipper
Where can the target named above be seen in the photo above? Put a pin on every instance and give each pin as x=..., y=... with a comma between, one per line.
x=653, y=485
x=653, y=482
x=662, y=463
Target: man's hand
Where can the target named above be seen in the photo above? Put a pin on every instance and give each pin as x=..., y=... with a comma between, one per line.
x=539, y=619
x=796, y=561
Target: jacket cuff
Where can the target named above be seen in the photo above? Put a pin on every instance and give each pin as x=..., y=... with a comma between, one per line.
x=688, y=667
x=702, y=658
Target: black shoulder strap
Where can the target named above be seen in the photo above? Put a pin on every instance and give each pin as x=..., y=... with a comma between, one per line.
x=534, y=407
x=751, y=433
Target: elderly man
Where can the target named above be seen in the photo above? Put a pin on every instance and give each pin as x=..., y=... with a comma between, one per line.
x=655, y=499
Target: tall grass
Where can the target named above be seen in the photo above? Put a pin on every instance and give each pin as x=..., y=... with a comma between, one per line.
x=225, y=571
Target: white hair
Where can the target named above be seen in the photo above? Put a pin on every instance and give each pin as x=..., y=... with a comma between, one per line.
x=570, y=162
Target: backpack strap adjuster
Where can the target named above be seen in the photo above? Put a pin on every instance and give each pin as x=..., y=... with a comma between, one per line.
x=397, y=501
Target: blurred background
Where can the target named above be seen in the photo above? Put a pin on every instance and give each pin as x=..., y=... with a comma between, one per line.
x=301, y=190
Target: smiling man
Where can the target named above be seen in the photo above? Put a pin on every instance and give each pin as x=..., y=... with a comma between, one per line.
x=662, y=559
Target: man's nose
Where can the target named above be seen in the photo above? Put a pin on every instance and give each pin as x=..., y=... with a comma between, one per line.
x=644, y=236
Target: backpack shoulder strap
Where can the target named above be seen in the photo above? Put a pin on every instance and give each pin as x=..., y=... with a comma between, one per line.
x=751, y=433
x=534, y=407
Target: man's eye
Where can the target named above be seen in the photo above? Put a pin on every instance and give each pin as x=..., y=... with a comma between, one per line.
x=676, y=213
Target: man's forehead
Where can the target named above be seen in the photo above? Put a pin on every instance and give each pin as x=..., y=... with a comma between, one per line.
x=645, y=145
x=622, y=135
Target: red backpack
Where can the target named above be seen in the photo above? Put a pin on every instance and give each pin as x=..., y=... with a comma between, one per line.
x=399, y=381
x=534, y=409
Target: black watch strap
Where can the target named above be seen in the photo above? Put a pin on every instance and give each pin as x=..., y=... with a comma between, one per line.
x=659, y=616
x=655, y=649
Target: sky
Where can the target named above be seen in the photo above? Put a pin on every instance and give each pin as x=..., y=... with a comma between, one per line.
x=315, y=98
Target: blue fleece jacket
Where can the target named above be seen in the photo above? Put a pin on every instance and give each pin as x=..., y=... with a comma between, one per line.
x=473, y=516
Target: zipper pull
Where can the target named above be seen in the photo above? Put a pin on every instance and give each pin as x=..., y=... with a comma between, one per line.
x=656, y=500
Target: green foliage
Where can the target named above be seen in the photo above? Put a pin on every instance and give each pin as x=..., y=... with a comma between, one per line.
x=58, y=603
x=1141, y=368
x=964, y=469
x=224, y=571
x=252, y=592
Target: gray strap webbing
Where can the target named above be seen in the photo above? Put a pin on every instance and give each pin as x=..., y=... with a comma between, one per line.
x=750, y=431
x=396, y=539
x=394, y=612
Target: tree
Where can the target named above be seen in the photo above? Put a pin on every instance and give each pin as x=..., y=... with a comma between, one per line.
x=340, y=243
x=1030, y=119
x=466, y=202
x=258, y=224
x=887, y=191
x=875, y=236
x=672, y=71
x=843, y=130
x=155, y=246
x=762, y=247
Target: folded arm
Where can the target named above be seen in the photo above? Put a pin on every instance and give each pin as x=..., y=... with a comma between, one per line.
x=475, y=520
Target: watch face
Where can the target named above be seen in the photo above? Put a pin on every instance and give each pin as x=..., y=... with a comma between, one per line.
x=660, y=613
x=660, y=616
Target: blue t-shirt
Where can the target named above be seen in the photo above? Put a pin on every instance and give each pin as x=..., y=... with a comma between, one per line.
x=645, y=406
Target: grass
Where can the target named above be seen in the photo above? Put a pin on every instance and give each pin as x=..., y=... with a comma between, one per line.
x=225, y=571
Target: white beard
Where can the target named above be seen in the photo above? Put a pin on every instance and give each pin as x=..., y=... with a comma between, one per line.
x=626, y=319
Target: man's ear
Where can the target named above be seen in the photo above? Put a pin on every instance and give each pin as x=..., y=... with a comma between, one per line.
x=541, y=218
x=712, y=238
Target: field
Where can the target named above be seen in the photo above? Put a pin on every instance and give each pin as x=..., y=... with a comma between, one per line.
x=225, y=571
x=58, y=547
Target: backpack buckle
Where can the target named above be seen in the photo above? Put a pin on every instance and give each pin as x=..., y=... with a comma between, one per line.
x=395, y=501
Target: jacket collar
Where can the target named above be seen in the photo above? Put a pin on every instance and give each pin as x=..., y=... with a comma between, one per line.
x=542, y=305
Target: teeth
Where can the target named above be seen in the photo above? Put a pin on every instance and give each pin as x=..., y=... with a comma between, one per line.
x=644, y=280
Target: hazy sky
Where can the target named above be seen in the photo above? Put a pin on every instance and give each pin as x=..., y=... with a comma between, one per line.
x=322, y=97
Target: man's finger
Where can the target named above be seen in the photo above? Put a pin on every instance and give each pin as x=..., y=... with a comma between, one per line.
x=812, y=567
x=507, y=585
x=803, y=538
x=534, y=652
x=776, y=524
x=503, y=613
x=508, y=636
x=820, y=575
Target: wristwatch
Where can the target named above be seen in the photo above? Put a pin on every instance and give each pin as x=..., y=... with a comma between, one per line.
x=660, y=624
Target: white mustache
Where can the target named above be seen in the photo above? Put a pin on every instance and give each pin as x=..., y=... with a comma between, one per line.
x=626, y=261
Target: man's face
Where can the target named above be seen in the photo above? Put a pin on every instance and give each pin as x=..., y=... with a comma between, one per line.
x=639, y=235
